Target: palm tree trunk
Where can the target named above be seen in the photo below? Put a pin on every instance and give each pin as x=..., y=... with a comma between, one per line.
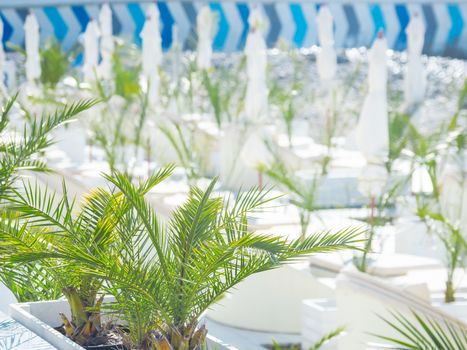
x=78, y=312
x=449, y=295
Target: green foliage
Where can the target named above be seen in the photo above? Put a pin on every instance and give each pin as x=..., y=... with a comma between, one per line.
x=425, y=333
x=225, y=90
x=28, y=281
x=183, y=146
x=126, y=77
x=64, y=243
x=20, y=155
x=432, y=151
x=379, y=217
x=316, y=346
x=462, y=101
x=168, y=274
x=285, y=96
x=111, y=136
x=52, y=232
x=114, y=130
x=303, y=193
x=286, y=101
x=218, y=103
x=54, y=64
x=398, y=136
x=332, y=334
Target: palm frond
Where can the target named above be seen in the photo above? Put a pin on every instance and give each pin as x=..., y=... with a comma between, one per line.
x=18, y=154
x=327, y=337
x=422, y=332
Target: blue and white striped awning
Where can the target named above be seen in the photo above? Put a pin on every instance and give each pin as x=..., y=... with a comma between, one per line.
x=356, y=22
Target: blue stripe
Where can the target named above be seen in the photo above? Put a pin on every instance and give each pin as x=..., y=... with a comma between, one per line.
x=300, y=24
x=431, y=26
x=7, y=30
x=22, y=13
x=244, y=12
x=138, y=18
x=403, y=17
x=81, y=15
x=60, y=27
x=457, y=23
x=116, y=25
x=222, y=27
x=167, y=23
x=192, y=38
x=455, y=32
x=378, y=18
x=353, y=27
x=275, y=24
x=78, y=60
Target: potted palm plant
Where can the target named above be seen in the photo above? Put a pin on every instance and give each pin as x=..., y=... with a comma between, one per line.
x=435, y=152
x=19, y=154
x=48, y=232
x=55, y=63
x=170, y=274
x=121, y=138
x=303, y=193
x=162, y=276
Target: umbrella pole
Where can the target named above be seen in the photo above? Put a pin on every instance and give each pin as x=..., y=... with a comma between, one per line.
x=372, y=210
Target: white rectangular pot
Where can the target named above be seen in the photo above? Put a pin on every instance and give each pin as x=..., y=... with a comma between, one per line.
x=457, y=309
x=43, y=316
x=319, y=317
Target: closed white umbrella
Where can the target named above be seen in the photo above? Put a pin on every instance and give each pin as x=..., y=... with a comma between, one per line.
x=91, y=51
x=107, y=42
x=256, y=99
x=415, y=77
x=255, y=150
x=372, y=130
x=176, y=54
x=421, y=182
x=33, y=63
x=326, y=60
x=204, y=28
x=151, y=53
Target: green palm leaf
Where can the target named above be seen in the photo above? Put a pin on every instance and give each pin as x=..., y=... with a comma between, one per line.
x=425, y=333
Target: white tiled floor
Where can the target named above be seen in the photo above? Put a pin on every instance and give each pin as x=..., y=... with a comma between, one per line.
x=14, y=336
x=247, y=340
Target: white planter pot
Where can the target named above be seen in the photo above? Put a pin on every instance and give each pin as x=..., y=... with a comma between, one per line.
x=271, y=301
x=6, y=298
x=457, y=309
x=319, y=317
x=43, y=316
x=412, y=238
